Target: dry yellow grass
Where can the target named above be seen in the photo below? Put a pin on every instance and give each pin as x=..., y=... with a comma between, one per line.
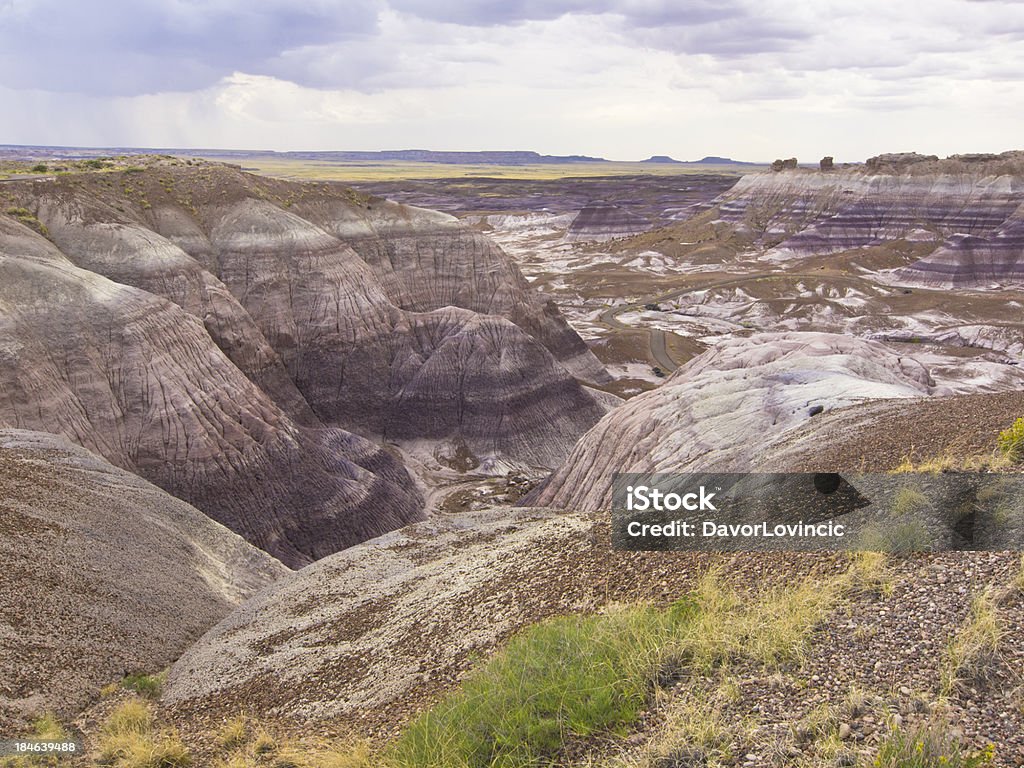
x=242, y=743
x=951, y=461
x=775, y=625
x=128, y=739
x=975, y=646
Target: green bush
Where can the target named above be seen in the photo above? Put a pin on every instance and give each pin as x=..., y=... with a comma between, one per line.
x=1011, y=441
x=586, y=677
x=148, y=686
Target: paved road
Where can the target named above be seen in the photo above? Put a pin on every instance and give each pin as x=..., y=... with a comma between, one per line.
x=659, y=350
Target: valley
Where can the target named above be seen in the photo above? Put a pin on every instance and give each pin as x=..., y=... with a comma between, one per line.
x=719, y=259
x=301, y=469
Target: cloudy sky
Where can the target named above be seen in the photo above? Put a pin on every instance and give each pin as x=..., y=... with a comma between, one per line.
x=622, y=79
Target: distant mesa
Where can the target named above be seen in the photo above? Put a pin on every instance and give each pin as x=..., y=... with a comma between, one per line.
x=716, y=160
x=604, y=221
x=443, y=157
x=500, y=157
x=514, y=157
x=707, y=160
x=486, y=157
x=970, y=206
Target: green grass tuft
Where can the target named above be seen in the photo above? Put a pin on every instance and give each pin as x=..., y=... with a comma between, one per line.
x=580, y=677
x=145, y=685
x=569, y=677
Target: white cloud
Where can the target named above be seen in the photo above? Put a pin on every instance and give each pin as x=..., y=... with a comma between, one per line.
x=619, y=78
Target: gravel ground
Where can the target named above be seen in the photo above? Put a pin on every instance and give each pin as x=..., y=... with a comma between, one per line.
x=877, y=436
x=102, y=575
x=886, y=644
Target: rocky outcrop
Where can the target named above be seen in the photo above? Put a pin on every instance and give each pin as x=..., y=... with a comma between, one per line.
x=897, y=161
x=103, y=575
x=722, y=411
x=139, y=381
x=603, y=221
x=972, y=209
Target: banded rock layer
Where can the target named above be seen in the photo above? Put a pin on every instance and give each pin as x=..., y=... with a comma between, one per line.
x=972, y=212
x=136, y=379
x=332, y=303
x=722, y=411
x=605, y=221
x=224, y=336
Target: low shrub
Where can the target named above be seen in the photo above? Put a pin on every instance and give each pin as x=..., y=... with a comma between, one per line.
x=145, y=685
x=1011, y=441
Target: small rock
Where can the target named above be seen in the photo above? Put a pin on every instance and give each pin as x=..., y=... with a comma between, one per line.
x=844, y=731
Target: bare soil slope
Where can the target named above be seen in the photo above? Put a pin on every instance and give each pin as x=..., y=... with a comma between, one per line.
x=103, y=574
x=362, y=641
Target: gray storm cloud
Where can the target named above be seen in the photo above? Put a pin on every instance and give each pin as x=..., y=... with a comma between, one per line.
x=130, y=47
x=609, y=77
